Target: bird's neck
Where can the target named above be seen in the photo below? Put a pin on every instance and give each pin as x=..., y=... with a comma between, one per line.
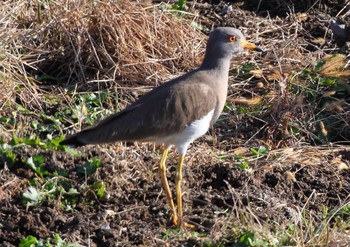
x=219, y=65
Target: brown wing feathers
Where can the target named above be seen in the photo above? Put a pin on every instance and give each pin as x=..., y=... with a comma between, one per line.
x=161, y=112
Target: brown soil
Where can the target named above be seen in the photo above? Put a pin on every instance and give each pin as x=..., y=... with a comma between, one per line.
x=135, y=211
x=277, y=190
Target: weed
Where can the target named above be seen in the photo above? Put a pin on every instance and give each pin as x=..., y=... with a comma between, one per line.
x=257, y=153
x=90, y=167
x=244, y=71
x=243, y=110
x=31, y=241
x=242, y=164
x=247, y=239
x=91, y=107
x=6, y=155
x=260, y=151
x=32, y=196
x=99, y=187
x=169, y=233
x=53, y=188
x=36, y=164
x=345, y=210
x=9, y=156
x=179, y=5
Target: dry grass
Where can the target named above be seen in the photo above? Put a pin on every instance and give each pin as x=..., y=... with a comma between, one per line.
x=91, y=44
x=290, y=97
x=88, y=46
x=81, y=41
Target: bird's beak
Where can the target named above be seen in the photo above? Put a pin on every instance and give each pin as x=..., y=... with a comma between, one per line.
x=250, y=46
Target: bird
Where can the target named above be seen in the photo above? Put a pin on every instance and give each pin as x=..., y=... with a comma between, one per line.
x=341, y=31
x=175, y=113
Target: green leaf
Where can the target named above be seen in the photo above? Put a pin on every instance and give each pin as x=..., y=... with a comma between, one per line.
x=100, y=187
x=6, y=155
x=32, y=196
x=327, y=81
x=179, y=5
x=71, y=151
x=247, y=238
x=72, y=191
x=15, y=140
x=319, y=64
x=39, y=159
x=35, y=163
x=90, y=167
x=243, y=110
x=21, y=109
x=28, y=241
x=260, y=151
x=243, y=165
x=30, y=163
x=56, y=141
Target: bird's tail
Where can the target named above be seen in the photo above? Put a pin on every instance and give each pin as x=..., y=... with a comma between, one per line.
x=103, y=132
x=73, y=141
x=96, y=134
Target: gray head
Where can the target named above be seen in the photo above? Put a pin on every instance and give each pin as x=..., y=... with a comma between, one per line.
x=225, y=42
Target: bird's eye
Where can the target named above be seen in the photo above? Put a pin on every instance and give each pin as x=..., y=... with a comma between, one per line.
x=232, y=39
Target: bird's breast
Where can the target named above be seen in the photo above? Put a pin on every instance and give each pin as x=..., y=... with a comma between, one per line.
x=188, y=134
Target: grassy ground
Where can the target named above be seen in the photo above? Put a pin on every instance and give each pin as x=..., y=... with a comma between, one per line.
x=273, y=171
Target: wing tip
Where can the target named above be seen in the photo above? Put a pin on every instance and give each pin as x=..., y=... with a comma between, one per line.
x=72, y=141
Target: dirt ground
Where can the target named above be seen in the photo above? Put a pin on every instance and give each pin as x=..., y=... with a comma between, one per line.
x=135, y=212
x=287, y=186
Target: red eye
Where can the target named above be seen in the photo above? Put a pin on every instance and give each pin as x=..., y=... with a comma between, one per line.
x=232, y=39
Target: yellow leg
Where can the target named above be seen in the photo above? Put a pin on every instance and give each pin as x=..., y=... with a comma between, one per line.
x=178, y=181
x=181, y=224
x=162, y=171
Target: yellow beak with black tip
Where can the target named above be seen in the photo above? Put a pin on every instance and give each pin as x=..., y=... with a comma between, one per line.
x=250, y=46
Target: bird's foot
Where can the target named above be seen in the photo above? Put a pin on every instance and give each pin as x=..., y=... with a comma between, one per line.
x=174, y=220
x=188, y=226
x=179, y=223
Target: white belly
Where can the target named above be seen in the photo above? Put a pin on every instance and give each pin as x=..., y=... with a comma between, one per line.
x=182, y=140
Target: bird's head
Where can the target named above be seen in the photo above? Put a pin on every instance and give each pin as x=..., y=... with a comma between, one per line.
x=229, y=41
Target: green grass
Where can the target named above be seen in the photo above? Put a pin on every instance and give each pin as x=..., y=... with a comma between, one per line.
x=57, y=241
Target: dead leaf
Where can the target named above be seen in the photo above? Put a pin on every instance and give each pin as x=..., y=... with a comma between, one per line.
x=342, y=166
x=274, y=75
x=302, y=17
x=260, y=85
x=335, y=106
x=334, y=65
x=257, y=73
x=84, y=110
x=240, y=150
x=249, y=102
x=323, y=129
x=339, y=163
x=329, y=93
x=319, y=41
x=290, y=176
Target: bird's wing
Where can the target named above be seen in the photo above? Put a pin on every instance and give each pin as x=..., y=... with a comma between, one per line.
x=163, y=111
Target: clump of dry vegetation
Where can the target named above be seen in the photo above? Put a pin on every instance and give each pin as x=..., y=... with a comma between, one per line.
x=78, y=41
x=70, y=42
x=298, y=93
x=88, y=46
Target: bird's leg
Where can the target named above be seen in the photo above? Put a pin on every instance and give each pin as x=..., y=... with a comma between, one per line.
x=162, y=171
x=178, y=180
